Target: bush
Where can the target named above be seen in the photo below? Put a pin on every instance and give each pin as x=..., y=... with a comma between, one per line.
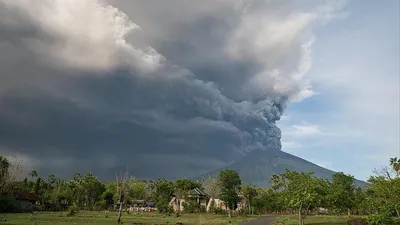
x=8, y=204
x=384, y=217
x=191, y=207
x=163, y=206
x=72, y=210
x=219, y=211
x=357, y=221
x=396, y=221
x=379, y=219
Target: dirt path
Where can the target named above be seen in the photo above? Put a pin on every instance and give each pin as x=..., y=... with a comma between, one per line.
x=266, y=220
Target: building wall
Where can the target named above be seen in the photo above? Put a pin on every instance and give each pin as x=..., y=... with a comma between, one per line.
x=24, y=205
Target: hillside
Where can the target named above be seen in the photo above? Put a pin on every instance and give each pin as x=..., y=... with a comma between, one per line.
x=257, y=167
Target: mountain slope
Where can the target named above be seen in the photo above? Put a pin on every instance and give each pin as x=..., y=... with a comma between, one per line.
x=257, y=167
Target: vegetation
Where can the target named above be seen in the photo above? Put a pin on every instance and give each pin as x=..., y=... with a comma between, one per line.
x=229, y=185
x=300, y=195
x=98, y=218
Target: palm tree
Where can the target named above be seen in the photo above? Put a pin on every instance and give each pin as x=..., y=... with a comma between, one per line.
x=395, y=163
x=4, y=166
x=33, y=174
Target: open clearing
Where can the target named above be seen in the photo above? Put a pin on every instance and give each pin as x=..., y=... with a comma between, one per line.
x=98, y=218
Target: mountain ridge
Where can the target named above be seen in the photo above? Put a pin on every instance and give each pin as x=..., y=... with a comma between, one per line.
x=257, y=167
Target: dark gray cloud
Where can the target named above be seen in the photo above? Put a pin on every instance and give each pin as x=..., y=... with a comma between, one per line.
x=169, y=89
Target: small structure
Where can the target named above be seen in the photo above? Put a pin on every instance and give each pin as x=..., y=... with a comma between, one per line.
x=25, y=200
x=194, y=195
x=218, y=203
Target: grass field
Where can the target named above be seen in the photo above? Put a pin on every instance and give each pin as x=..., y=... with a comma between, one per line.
x=313, y=220
x=98, y=218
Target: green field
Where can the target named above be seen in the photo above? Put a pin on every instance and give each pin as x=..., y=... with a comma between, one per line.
x=98, y=218
x=91, y=218
x=313, y=220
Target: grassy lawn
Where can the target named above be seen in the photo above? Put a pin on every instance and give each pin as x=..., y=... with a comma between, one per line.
x=314, y=220
x=99, y=218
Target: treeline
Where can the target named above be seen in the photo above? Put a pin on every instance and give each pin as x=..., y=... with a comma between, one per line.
x=290, y=192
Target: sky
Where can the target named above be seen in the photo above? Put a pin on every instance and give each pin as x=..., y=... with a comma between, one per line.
x=179, y=88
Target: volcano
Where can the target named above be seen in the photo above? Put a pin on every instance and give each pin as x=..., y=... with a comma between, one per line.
x=257, y=167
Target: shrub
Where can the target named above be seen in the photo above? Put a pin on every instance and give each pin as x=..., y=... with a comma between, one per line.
x=191, y=207
x=163, y=206
x=219, y=211
x=212, y=207
x=8, y=204
x=72, y=210
x=357, y=221
x=379, y=219
x=385, y=216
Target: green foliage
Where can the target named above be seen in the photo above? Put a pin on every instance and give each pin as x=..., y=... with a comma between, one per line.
x=107, y=199
x=7, y=204
x=267, y=201
x=162, y=205
x=229, y=184
x=300, y=191
x=341, y=194
x=187, y=185
x=72, y=210
x=219, y=211
x=191, y=207
x=249, y=192
x=137, y=189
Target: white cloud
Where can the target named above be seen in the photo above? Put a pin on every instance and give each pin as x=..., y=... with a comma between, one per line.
x=299, y=131
x=77, y=34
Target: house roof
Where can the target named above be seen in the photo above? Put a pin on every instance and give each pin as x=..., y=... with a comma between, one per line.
x=196, y=191
x=23, y=195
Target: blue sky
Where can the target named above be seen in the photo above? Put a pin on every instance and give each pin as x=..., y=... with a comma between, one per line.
x=352, y=124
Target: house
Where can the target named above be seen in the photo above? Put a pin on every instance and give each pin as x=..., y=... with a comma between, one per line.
x=218, y=203
x=197, y=195
x=25, y=200
x=194, y=195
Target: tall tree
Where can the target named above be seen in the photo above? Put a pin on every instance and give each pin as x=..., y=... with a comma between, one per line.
x=4, y=175
x=122, y=189
x=249, y=192
x=229, y=184
x=211, y=188
x=10, y=171
x=384, y=187
x=300, y=191
x=341, y=195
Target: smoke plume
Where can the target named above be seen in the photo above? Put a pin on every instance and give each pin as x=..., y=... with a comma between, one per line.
x=188, y=87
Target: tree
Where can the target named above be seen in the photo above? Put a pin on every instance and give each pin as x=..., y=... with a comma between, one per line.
x=181, y=188
x=211, y=188
x=300, y=191
x=249, y=192
x=10, y=171
x=33, y=174
x=395, y=164
x=341, y=195
x=385, y=189
x=229, y=184
x=4, y=175
x=122, y=188
x=137, y=189
x=92, y=189
x=163, y=191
